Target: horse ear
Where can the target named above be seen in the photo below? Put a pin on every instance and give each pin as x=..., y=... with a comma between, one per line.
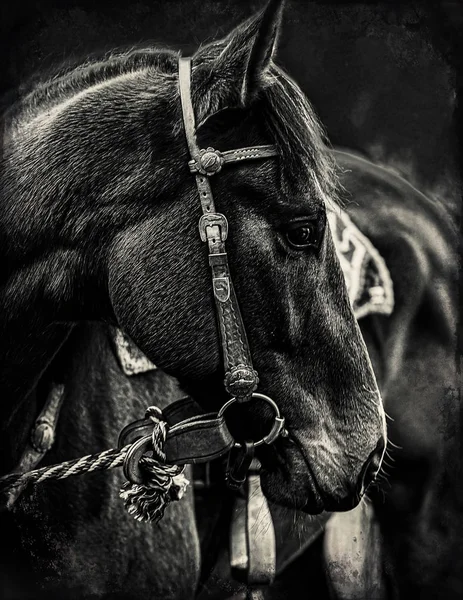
x=263, y=48
x=245, y=55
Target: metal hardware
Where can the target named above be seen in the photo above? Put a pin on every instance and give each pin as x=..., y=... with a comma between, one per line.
x=221, y=287
x=278, y=423
x=241, y=381
x=209, y=163
x=132, y=471
x=209, y=220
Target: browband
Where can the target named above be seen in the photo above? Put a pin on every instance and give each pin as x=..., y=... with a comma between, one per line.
x=240, y=378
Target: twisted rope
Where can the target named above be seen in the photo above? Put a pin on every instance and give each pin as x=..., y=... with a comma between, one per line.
x=163, y=483
x=102, y=461
x=109, y=459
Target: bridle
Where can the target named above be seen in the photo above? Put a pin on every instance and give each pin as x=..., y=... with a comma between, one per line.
x=241, y=379
x=185, y=433
x=191, y=436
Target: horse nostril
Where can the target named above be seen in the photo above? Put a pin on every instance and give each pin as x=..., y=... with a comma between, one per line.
x=370, y=468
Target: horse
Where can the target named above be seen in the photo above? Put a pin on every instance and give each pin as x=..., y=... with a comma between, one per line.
x=98, y=224
x=400, y=248
x=97, y=381
x=413, y=535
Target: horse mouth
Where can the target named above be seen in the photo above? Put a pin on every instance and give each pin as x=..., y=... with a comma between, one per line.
x=287, y=478
x=286, y=475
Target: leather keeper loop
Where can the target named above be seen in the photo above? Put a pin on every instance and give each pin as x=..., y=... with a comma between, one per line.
x=218, y=260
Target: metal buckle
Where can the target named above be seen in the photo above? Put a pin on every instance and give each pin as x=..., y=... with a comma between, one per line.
x=210, y=220
x=277, y=427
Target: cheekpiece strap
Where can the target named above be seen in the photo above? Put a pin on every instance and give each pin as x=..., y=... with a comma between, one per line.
x=241, y=379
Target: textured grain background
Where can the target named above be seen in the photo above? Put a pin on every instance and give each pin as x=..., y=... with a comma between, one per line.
x=380, y=74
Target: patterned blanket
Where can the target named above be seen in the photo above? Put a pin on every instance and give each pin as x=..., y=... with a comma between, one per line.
x=367, y=277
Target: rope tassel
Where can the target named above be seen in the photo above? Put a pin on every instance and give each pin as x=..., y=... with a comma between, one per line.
x=162, y=483
x=148, y=502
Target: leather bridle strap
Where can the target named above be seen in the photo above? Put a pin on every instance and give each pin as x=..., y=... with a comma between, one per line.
x=240, y=378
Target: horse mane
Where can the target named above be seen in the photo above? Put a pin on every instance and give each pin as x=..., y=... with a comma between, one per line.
x=299, y=135
x=288, y=115
x=65, y=80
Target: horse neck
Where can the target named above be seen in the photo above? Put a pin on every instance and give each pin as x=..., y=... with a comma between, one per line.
x=41, y=285
x=53, y=263
x=31, y=305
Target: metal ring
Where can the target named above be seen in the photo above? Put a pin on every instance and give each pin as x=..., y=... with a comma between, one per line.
x=278, y=424
x=131, y=467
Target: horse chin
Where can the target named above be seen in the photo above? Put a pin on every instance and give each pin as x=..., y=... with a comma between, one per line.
x=289, y=483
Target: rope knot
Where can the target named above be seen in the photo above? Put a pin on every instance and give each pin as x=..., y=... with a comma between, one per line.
x=152, y=484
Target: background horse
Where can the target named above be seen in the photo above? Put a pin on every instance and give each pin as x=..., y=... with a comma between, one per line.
x=95, y=228
x=415, y=357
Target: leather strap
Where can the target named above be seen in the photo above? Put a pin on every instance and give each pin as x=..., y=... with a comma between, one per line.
x=240, y=378
x=252, y=535
x=192, y=437
x=41, y=438
x=231, y=156
x=260, y=534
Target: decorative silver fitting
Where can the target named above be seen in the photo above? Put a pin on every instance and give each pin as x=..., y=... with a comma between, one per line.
x=221, y=287
x=42, y=436
x=241, y=381
x=209, y=220
x=210, y=162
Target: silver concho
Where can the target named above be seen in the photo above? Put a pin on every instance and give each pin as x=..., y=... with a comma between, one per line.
x=241, y=381
x=210, y=161
x=221, y=286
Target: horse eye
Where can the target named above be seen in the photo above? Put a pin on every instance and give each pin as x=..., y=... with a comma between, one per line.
x=303, y=235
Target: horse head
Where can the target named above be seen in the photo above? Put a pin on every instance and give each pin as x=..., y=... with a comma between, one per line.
x=98, y=161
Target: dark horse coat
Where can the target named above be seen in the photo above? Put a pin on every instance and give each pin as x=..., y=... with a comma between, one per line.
x=74, y=539
x=414, y=353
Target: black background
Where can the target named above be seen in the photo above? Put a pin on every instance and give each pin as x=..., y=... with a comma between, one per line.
x=381, y=75
x=384, y=77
